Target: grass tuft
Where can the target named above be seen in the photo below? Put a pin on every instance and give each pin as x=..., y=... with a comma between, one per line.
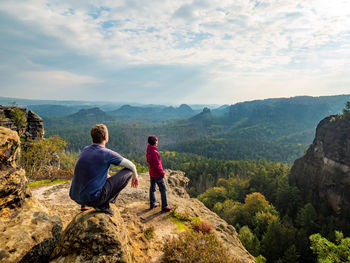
x=47, y=182
x=149, y=233
x=193, y=247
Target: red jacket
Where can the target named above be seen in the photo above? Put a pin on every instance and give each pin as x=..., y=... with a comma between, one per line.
x=154, y=161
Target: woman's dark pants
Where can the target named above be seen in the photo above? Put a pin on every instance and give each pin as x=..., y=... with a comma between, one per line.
x=162, y=188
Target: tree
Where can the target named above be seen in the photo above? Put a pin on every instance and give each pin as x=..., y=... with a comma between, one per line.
x=212, y=196
x=19, y=117
x=40, y=155
x=291, y=255
x=327, y=251
x=249, y=241
x=346, y=110
x=306, y=218
x=255, y=203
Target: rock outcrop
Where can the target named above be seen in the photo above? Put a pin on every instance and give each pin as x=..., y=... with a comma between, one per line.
x=13, y=183
x=35, y=126
x=94, y=237
x=28, y=124
x=323, y=173
x=25, y=225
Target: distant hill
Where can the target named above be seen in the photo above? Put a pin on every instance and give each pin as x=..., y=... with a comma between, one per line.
x=152, y=113
x=83, y=116
x=275, y=129
x=49, y=110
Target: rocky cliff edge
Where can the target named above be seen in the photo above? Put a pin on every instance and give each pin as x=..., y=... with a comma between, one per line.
x=81, y=242
x=31, y=221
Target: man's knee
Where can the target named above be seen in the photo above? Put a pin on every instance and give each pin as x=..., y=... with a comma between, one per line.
x=125, y=171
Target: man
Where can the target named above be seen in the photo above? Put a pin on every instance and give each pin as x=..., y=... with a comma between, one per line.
x=91, y=184
x=156, y=173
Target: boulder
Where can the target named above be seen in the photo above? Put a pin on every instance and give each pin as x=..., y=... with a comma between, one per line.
x=177, y=183
x=94, y=237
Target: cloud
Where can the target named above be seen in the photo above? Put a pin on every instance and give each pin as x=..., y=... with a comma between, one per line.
x=218, y=41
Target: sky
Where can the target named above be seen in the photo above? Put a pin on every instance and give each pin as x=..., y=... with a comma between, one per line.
x=173, y=52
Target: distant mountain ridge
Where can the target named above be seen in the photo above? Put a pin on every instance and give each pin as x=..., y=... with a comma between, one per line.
x=63, y=108
x=128, y=112
x=274, y=129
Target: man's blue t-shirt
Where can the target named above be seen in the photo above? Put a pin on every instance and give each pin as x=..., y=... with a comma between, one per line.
x=90, y=173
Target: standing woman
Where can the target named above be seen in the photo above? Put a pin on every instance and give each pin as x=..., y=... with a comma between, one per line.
x=156, y=173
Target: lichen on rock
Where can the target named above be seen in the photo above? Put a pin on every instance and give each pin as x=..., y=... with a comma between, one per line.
x=94, y=237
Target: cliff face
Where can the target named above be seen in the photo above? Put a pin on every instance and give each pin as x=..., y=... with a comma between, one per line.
x=323, y=173
x=28, y=124
x=24, y=223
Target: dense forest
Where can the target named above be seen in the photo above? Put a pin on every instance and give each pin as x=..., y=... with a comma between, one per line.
x=276, y=129
x=230, y=160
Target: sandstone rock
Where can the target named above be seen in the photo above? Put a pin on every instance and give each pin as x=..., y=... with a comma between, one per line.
x=24, y=223
x=13, y=191
x=24, y=234
x=323, y=173
x=177, y=182
x=9, y=148
x=31, y=127
x=35, y=126
x=94, y=237
x=13, y=183
x=133, y=206
x=7, y=119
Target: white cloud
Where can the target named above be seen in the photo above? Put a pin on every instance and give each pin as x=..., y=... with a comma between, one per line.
x=59, y=78
x=225, y=38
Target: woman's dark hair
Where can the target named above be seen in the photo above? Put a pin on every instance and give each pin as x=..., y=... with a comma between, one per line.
x=152, y=139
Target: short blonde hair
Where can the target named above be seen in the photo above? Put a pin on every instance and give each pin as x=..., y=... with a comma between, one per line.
x=98, y=133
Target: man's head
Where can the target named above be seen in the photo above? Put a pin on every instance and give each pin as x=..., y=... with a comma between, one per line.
x=152, y=140
x=99, y=133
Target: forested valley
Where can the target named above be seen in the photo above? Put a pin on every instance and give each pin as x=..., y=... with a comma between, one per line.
x=238, y=162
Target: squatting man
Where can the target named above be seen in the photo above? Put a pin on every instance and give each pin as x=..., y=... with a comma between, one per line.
x=91, y=185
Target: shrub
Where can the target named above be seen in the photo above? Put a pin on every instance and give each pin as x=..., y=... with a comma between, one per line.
x=193, y=247
x=327, y=251
x=40, y=157
x=203, y=226
x=149, y=233
x=19, y=117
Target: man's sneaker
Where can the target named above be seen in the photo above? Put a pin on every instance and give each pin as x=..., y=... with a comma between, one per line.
x=154, y=205
x=84, y=208
x=108, y=210
x=167, y=209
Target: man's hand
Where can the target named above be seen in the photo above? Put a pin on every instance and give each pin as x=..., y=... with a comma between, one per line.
x=134, y=182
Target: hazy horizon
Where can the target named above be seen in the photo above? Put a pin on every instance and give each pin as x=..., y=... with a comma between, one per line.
x=173, y=52
x=11, y=100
